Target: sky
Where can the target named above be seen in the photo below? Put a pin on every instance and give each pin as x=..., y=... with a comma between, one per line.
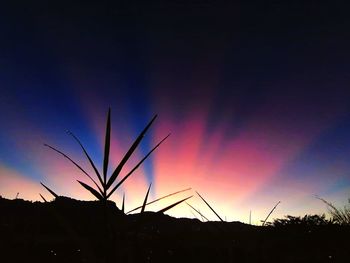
x=256, y=98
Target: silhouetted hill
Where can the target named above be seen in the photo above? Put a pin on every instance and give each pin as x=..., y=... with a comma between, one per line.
x=67, y=230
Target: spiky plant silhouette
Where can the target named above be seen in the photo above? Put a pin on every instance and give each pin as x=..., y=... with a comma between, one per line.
x=158, y=199
x=105, y=187
x=338, y=215
x=211, y=208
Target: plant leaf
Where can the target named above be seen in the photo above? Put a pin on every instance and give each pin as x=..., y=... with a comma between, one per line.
x=195, y=216
x=158, y=199
x=87, y=155
x=92, y=190
x=197, y=211
x=137, y=166
x=128, y=154
x=43, y=198
x=145, y=201
x=77, y=165
x=107, y=146
x=174, y=204
x=271, y=212
x=48, y=189
x=210, y=207
x=123, y=204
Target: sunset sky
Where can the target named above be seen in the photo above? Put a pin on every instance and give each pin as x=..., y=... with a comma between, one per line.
x=256, y=98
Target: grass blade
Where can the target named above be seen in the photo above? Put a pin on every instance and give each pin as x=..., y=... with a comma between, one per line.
x=210, y=207
x=195, y=215
x=143, y=159
x=160, y=198
x=43, y=198
x=87, y=155
x=77, y=165
x=128, y=154
x=271, y=212
x=338, y=215
x=107, y=146
x=197, y=211
x=174, y=204
x=92, y=190
x=123, y=204
x=145, y=201
x=48, y=189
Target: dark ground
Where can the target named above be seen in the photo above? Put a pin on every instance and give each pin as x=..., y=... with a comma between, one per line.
x=68, y=230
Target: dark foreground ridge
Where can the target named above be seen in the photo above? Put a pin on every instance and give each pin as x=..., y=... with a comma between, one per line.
x=67, y=230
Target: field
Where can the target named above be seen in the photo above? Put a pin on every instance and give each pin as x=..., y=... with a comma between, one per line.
x=67, y=230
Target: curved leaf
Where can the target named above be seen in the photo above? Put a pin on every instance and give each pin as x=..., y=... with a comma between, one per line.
x=77, y=165
x=270, y=213
x=87, y=155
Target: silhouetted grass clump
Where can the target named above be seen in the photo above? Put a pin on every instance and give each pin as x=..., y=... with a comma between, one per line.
x=104, y=187
x=307, y=220
x=339, y=216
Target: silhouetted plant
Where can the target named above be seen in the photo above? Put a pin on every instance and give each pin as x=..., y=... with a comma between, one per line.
x=203, y=217
x=50, y=191
x=307, y=220
x=123, y=203
x=103, y=190
x=338, y=215
x=158, y=199
x=212, y=209
x=143, y=207
x=174, y=204
x=264, y=222
x=145, y=200
x=42, y=197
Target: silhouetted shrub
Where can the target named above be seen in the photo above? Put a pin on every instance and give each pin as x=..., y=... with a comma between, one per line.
x=307, y=220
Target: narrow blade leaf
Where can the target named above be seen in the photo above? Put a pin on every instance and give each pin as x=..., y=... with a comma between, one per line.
x=107, y=146
x=145, y=201
x=123, y=204
x=195, y=216
x=43, y=198
x=210, y=207
x=271, y=212
x=48, y=189
x=87, y=155
x=128, y=154
x=137, y=166
x=160, y=198
x=197, y=211
x=77, y=165
x=92, y=190
x=174, y=204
